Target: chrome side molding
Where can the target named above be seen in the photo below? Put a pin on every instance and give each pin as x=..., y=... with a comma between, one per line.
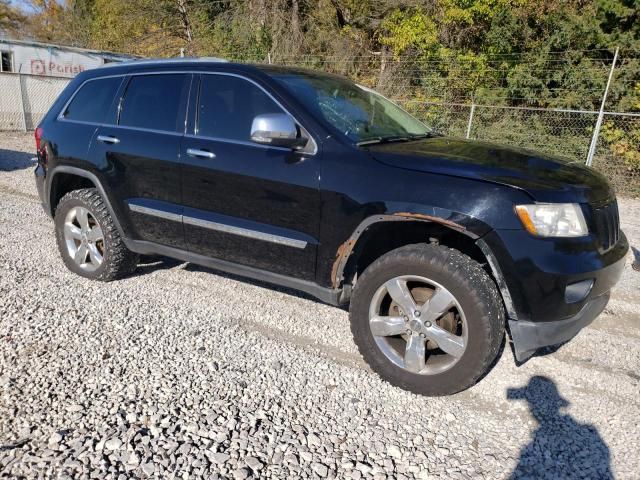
x=219, y=227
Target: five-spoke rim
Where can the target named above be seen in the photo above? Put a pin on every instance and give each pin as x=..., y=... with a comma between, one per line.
x=418, y=324
x=84, y=239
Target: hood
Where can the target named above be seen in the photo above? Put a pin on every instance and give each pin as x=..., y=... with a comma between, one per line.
x=545, y=178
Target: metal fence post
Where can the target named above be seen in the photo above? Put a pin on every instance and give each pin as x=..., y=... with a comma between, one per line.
x=473, y=109
x=596, y=131
x=24, y=110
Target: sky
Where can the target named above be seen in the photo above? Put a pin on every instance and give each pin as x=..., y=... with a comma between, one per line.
x=24, y=5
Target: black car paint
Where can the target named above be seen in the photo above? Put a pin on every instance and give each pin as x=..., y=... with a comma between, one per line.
x=545, y=178
x=326, y=197
x=280, y=198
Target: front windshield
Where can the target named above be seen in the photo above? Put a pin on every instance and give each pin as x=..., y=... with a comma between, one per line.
x=361, y=114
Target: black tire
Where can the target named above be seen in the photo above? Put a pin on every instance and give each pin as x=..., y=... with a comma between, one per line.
x=473, y=289
x=118, y=261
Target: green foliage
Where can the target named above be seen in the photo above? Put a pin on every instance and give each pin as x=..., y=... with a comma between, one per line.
x=499, y=51
x=475, y=12
x=414, y=31
x=623, y=143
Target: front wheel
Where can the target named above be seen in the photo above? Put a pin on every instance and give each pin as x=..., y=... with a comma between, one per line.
x=427, y=318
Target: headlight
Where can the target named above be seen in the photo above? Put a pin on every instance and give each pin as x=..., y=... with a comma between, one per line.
x=553, y=219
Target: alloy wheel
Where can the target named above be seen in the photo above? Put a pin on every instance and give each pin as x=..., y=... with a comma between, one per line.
x=418, y=324
x=84, y=239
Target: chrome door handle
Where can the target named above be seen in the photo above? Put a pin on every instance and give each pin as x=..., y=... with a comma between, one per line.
x=108, y=139
x=194, y=152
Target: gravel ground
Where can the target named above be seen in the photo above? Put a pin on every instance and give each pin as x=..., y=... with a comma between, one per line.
x=180, y=371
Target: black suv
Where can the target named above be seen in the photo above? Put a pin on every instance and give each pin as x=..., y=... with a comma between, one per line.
x=309, y=181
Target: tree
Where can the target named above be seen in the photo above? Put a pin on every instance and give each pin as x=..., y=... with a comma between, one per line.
x=513, y=52
x=45, y=22
x=10, y=18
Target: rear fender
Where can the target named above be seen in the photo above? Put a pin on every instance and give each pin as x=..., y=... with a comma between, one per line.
x=90, y=176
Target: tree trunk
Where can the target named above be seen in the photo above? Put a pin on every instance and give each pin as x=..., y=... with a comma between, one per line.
x=295, y=17
x=339, y=14
x=258, y=12
x=185, y=25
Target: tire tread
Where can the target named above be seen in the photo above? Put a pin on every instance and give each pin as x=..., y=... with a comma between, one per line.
x=119, y=260
x=463, y=270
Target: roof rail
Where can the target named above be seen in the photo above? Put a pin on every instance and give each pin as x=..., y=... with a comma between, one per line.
x=161, y=61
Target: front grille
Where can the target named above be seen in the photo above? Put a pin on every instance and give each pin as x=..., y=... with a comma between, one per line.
x=607, y=225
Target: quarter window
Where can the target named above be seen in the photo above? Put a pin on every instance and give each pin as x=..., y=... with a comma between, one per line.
x=93, y=100
x=153, y=102
x=227, y=106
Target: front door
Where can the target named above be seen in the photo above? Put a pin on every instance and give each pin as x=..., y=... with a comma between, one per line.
x=243, y=202
x=140, y=156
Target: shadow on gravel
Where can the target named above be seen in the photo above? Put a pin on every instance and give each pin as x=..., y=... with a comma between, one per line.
x=561, y=447
x=15, y=160
x=150, y=263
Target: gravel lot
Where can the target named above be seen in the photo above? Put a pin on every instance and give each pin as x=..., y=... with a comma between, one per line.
x=180, y=371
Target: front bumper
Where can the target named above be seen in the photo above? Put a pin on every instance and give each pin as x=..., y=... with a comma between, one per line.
x=529, y=336
x=537, y=277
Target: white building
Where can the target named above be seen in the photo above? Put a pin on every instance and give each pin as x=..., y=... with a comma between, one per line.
x=35, y=58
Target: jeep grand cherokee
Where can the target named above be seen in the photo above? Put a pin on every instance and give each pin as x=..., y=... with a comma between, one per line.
x=309, y=181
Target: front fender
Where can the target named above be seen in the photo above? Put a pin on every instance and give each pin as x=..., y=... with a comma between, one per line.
x=464, y=224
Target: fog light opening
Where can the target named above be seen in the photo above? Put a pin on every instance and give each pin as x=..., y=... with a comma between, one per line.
x=578, y=291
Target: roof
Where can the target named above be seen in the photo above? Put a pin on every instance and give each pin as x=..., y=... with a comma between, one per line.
x=164, y=61
x=69, y=48
x=164, y=65
x=201, y=64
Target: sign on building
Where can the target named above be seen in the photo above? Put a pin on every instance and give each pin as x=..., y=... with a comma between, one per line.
x=35, y=58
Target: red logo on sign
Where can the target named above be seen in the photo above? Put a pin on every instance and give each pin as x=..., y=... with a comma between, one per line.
x=38, y=67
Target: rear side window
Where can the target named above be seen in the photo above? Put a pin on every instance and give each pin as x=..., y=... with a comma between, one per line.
x=153, y=102
x=227, y=106
x=93, y=100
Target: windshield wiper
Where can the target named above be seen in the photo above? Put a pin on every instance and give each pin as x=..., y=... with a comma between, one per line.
x=394, y=138
x=418, y=136
x=389, y=139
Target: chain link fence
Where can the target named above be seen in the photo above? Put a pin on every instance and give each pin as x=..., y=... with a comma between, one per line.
x=560, y=132
x=12, y=115
x=617, y=153
x=26, y=98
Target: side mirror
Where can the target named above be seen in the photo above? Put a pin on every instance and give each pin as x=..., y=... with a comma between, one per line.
x=277, y=129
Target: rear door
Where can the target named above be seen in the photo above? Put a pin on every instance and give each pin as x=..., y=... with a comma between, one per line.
x=71, y=131
x=140, y=156
x=247, y=203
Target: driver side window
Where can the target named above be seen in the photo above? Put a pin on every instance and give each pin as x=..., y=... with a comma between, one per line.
x=227, y=106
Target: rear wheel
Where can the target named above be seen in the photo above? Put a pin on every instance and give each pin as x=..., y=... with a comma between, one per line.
x=88, y=240
x=427, y=319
